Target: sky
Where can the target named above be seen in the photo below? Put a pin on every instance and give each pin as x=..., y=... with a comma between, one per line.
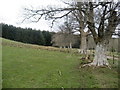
x=11, y=12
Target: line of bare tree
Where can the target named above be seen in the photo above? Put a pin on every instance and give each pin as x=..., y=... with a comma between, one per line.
x=98, y=19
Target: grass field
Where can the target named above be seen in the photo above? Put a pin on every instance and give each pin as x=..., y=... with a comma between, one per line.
x=38, y=68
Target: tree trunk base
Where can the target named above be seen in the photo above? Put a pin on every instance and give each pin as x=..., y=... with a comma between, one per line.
x=95, y=65
x=100, y=59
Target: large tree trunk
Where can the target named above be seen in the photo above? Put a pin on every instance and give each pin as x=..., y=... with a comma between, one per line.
x=83, y=45
x=100, y=58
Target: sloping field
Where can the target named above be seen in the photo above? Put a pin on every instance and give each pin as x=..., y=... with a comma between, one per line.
x=32, y=66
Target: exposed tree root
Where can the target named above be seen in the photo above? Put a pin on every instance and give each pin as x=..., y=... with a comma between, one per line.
x=95, y=65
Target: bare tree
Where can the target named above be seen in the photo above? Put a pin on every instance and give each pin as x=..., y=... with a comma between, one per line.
x=63, y=39
x=65, y=35
x=103, y=19
x=77, y=23
x=68, y=29
x=58, y=39
x=80, y=17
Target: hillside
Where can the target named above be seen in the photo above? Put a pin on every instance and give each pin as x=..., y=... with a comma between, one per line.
x=32, y=66
x=6, y=42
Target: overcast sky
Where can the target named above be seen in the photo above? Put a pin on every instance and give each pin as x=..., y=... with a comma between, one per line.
x=11, y=12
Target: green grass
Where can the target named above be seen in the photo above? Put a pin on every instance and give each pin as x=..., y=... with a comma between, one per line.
x=37, y=68
x=0, y=64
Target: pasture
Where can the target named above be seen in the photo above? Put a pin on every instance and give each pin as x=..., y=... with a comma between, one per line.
x=32, y=66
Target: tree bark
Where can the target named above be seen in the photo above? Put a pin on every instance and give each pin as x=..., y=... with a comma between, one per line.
x=100, y=58
x=83, y=45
